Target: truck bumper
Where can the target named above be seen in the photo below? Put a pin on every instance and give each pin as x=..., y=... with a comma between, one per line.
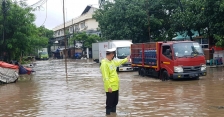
x=125, y=69
x=189, y=75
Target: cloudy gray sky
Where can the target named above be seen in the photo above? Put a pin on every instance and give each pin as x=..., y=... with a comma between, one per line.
x=52, y=11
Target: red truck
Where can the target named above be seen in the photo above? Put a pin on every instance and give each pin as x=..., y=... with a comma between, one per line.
x=169, y=60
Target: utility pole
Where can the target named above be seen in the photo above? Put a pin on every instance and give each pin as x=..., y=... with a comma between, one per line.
x=65, y=40
x=3, y=48
x=148, y=17
x=73, y=32
x=4, y=15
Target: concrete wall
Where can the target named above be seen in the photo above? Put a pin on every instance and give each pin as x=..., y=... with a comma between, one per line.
x=92, y=24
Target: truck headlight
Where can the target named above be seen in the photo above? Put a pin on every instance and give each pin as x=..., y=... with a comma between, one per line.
x=178, y=69
x=203, y=67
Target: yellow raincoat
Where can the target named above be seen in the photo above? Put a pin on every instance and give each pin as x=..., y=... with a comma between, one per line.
x=109, y=73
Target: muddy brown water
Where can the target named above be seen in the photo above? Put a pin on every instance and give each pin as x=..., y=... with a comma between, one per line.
x=48, y=92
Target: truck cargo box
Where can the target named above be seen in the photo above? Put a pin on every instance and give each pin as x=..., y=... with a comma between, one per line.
x=144, y=54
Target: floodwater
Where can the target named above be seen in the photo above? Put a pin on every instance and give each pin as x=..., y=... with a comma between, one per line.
x=48, y=92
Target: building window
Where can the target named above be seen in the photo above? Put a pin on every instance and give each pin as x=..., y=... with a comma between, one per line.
x=76, y=27
x=82, y=25
x=71, y=29
x=203, y=42
x=67, y=30
x=62, y=32
x=55, y=33
x=59, y=33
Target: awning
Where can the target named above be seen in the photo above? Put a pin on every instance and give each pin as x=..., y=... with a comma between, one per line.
x=184, y=36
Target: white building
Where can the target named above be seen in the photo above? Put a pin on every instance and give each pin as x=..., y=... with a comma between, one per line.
x=84, y=22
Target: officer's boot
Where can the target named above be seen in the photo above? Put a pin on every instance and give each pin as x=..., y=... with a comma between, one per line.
x=113, y=109
x=108, y=111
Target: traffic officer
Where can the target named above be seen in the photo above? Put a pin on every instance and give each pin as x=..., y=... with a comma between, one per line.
x=110, y=78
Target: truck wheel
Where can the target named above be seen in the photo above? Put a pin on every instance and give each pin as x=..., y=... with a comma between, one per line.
x=165, y=76
x=139, y=71
x=142, y=72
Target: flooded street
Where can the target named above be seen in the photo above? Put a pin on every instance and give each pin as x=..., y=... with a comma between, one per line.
x=48, y=92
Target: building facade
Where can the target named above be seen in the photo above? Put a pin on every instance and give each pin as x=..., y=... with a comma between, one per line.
x=83, y=23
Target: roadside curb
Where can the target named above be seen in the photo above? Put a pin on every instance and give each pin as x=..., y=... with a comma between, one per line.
x=214, y=66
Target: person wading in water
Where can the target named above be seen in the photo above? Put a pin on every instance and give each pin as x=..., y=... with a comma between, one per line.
x=111, y=80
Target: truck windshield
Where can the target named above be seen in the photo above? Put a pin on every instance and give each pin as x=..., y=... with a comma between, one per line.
x=123, y=52
x=187, y=49
x=43, y=53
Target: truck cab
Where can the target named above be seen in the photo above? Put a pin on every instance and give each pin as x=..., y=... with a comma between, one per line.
x=182, y=60
x=43, y=56
x=122, y=50
x=169, y=60
x=121, y=53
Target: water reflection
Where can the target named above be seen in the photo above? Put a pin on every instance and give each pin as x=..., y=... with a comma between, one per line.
x=48, y=92
x=18, y=99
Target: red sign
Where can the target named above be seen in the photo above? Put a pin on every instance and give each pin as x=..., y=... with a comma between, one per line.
x=217, y=48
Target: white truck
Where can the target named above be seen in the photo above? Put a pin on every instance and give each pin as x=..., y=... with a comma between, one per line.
x=122, y=50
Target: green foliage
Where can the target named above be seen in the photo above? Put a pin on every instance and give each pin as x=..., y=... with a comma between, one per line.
x=189, y=15
x=86, y=39
x=214, y=9
x=125, y=19
x=128, y=19
x=220, y=40
x=133, y=19
x=21, y=36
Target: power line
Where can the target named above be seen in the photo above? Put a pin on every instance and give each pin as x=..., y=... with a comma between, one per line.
x=46, y=14
x=38, y=4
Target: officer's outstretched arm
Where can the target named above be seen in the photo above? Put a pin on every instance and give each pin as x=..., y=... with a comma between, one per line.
x=120, y=62
x=105, y=73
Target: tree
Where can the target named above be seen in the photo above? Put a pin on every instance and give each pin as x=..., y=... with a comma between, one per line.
x=18, y=27
x=21, y=35
x=138, y=20
x=213, y=12
x=85, y=39
x=189, y=16
x=40, y=40
x=124, y=19
x=160, y=12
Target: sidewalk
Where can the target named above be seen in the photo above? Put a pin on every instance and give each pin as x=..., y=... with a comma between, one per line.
x=214, y=66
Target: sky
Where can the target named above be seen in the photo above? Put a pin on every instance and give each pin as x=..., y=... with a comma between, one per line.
x=52, y=11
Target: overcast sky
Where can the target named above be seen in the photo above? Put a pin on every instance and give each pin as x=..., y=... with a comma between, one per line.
x=54, y=11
